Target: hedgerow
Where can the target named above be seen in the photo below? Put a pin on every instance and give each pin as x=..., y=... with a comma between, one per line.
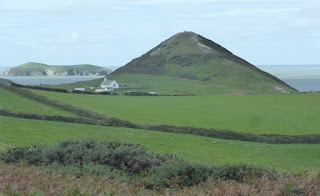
x=100, y=119
x=222, y=134
x=40, y=88
x=54, y=103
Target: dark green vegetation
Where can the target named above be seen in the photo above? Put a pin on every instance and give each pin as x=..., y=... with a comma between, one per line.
x=294, y=114
x=133, y=164
x=156, y=171
x=39, y=69
x=188, y=63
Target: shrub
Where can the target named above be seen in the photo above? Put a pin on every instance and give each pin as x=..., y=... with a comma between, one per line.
x=31, y=155
x=104, y=93
x=88, y=169
x=178, y=173
x=289, y=190
x=181, y=173
x=131, y=158
x=239, y=172
x=123, y=160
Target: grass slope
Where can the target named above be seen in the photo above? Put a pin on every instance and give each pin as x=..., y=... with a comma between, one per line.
x=14, y=102
x=197, y=149
x=293, y=114
x=206, y=67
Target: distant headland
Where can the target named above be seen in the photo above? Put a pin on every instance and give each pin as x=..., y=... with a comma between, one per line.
x=40, y=69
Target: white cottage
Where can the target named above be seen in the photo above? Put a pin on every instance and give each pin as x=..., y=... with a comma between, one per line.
x=109, y=84
x=80, y=89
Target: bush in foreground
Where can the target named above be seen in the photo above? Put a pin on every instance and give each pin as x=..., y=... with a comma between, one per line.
x=128, y=161
x=132, y=158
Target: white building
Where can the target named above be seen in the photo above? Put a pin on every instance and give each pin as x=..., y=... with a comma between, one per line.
x=103, y=90
x=80, y=89
x=109, y=84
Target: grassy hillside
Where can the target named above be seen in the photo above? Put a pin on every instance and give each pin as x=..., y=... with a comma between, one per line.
x=38, y=69
x=14, y=102
x=197, y=149
x=266, y=114
x=188, y=63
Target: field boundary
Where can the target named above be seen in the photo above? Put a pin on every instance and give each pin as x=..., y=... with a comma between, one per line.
x=94, y=118
x=212, y=133
x=56, y=104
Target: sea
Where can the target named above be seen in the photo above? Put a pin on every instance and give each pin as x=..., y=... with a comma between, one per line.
x=304, y=78
x=52, y=80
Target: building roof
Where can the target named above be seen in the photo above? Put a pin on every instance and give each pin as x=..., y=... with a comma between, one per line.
x=107, y=82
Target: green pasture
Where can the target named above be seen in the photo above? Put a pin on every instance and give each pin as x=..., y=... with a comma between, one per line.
x=16, y=132
x=291, y=114
x=14, y=102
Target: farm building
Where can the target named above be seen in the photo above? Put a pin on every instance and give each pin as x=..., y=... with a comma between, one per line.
x=103, y=90
x=80, y=89
x=109, y=84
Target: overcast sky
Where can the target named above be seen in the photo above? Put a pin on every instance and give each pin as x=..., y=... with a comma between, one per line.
x=113, y=32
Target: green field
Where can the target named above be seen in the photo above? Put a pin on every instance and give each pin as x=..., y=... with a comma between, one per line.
x=15, y=131
x=292, y=114
x=14, y=102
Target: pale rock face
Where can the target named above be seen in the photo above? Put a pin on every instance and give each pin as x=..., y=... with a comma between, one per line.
x=155, y=51
x=49, y=72
x=204, y=48
x=6, y=72
x=280, y=89
x=194, y=39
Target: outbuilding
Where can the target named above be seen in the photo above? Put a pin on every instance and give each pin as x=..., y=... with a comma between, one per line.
x=109, y=84
x=80, y=89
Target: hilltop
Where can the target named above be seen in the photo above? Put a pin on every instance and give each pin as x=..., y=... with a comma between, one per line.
x=40, y=69
x=188, y=63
